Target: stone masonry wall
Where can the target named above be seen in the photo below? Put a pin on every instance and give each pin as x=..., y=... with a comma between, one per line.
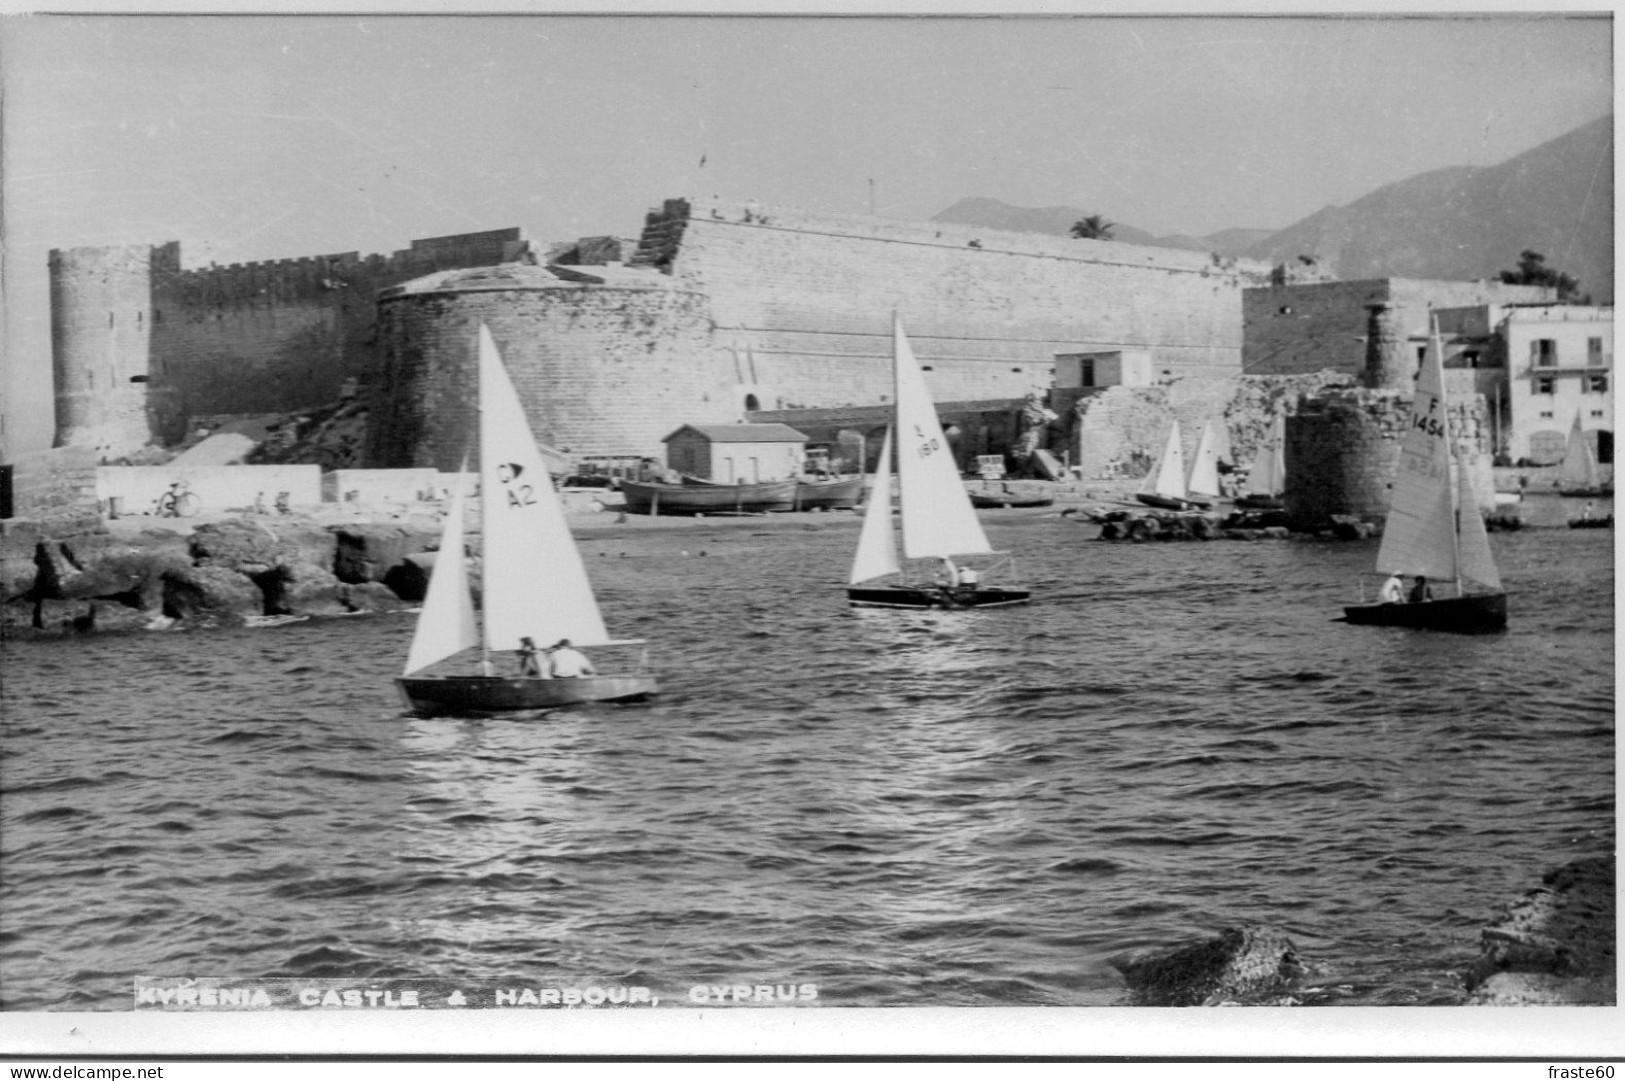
x=600, y=370
x=101, y=325
x=256, y=337
x=1342, y=449
x=803, y=302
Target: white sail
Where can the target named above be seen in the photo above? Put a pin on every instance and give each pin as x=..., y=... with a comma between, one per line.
x=446, y=624
x=877, y=543
x=1204, y=478
x=1579, y=468
x=1473, y=560
x=1420, y=534
x=1268, y=475
x=938, y=519
x=535, y=582
x=1168, y=476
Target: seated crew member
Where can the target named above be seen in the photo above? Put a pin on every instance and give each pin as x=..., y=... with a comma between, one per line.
x=568, y=662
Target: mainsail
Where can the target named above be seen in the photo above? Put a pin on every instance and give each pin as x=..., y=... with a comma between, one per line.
x=1268, y=475
x=938, y=519
x=1473, y=560
x=1204, y=478
x=446, y=625
x=1168, y=478
x=1420, y=534
x=877, y=542
x=1579, y=468
x=535, y=583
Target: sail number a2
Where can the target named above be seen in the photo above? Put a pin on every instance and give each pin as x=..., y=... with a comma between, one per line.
x=519, y=495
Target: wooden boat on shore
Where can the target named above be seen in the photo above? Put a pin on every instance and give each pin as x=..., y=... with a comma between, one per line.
x=988, y=497
x=648, y=497
x=1435, y=529
x=1605, y=522
x=938, y=521
x=535, y=582
x=835, y=493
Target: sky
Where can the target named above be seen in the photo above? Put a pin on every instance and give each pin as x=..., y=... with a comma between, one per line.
x=251, y=137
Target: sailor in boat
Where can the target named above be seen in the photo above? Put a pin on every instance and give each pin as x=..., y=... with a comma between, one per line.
x=1421, y=591
x=568, y=662
x=529, y=659
x=1392, y=591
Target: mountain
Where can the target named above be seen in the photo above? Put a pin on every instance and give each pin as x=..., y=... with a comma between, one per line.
x=1460, y=223
x=1473, y=222
x=1057, y=221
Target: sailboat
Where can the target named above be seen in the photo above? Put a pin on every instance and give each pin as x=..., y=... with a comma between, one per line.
x=1202, y=486
x=935, y=511
x=1578, y=475
x=1267, y=480
x=1165, y=486
x=1434, y=525
x=535, y=584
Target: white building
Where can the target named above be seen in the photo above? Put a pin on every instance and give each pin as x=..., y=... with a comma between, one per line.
x=1560, y=360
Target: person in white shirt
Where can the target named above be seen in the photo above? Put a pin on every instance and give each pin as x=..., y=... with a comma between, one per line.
x=568, y=662
x=1392, y=591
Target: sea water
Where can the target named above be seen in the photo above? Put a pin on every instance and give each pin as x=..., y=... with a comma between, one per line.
x=893, y=808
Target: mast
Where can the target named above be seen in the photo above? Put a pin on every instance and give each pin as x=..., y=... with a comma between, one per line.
x=1437, y=346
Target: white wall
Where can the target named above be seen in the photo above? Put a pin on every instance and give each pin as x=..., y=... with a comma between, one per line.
x=218, y=487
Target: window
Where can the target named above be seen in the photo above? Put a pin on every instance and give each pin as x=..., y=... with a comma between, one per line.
x=1545, y=385
x=1543, y=353
x=1596, y=412
x=1545, y=414
x=1597, y=384
x=1594, y=352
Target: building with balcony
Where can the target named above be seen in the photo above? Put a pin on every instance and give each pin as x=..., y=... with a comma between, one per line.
x=1559, y=365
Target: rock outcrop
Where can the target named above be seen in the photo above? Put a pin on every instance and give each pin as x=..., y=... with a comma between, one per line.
x=1554, y=946
x=1242, y=966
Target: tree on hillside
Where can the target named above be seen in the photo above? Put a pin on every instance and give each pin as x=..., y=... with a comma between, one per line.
x=1094, y=227
x=1532, y=270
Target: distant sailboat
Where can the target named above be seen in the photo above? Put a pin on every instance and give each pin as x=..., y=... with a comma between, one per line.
x=1434, y=526
x=1578, y=475
x=535, y=584
x=1202, y=487
x=937, y=519
x=1165, y=486
x=1267, y=480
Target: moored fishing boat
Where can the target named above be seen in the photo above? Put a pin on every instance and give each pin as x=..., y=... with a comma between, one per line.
x=835, y=493
x=648, y=497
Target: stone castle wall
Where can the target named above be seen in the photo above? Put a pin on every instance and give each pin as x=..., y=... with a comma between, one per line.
x=255, y=337
x=803, y=302
x=601, y=370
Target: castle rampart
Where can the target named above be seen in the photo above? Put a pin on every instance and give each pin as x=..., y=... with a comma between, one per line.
x=264, y=336
x=804, y=301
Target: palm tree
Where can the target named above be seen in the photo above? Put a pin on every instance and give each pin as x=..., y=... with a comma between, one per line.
x=1094, y=227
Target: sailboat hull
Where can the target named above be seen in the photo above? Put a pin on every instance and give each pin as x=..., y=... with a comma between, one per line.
x=498, y=694
x=1259, y=502
x=933, y=597
x=1476, y=613
x=1600, y=492
x=1168, y=502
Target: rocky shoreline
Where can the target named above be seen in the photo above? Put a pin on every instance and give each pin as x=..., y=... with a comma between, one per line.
x=1553, y=946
